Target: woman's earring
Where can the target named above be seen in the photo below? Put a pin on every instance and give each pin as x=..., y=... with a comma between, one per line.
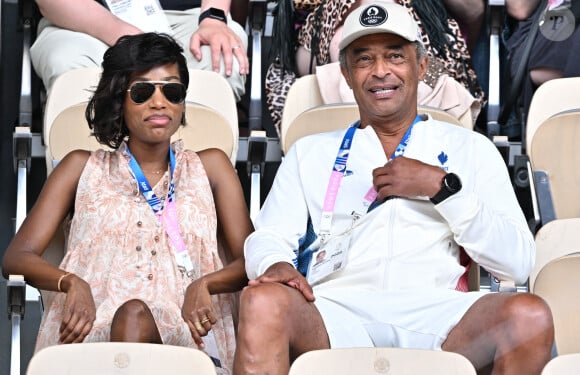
x=183, y=119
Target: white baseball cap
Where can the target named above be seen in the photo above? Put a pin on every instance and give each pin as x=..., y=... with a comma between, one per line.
x=379, y=18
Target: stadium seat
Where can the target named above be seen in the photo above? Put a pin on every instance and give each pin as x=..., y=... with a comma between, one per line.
x=371, y=361
x=554, y=158
x=567, y=364
x=120, y=358
x=552, y=97
x=556, y=276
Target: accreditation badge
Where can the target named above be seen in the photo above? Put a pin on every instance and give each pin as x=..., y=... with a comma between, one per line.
x=329, y=258
x=147, y=15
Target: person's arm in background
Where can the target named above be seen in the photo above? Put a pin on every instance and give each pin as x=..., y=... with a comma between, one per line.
x=221, y=39
x=86, y=16
x=521, y=9
x=470, y=15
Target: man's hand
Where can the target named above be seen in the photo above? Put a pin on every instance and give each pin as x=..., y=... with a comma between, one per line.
x=285, y=273
x=79, y=312
x=222, y=41
x=409, y=178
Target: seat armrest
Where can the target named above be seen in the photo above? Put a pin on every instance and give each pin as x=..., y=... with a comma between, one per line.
x=16, y=296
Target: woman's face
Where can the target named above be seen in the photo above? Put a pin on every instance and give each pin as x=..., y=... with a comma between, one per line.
x=153, y=110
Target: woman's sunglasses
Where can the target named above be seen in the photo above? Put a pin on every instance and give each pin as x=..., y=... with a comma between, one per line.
x=140, y=92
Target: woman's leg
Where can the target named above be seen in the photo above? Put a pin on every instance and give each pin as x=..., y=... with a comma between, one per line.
x=134, y=322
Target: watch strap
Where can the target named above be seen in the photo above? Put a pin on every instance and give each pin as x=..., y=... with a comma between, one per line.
x=214, y=13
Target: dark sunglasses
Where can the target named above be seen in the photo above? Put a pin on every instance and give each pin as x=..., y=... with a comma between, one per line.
x=140, y=92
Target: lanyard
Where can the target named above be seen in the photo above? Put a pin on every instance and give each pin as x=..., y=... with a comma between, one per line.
x=336, y=175
x=339, y=168
x=167, y=215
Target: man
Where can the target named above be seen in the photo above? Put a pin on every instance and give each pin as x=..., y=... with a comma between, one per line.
x=76, y=33
x=393, y=271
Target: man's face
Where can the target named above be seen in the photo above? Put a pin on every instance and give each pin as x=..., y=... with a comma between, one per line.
x=383, y=72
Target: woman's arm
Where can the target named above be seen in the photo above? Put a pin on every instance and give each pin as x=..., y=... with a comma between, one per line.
x=24, y=254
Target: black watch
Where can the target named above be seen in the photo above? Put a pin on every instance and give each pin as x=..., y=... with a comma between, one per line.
x=215, y=13
x=450, y=185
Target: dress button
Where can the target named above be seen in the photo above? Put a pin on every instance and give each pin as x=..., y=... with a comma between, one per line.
x=135, y=191
x=153, y=252
x=156, y=238
x=138, y=248
x=139, y=223
x=150, y=276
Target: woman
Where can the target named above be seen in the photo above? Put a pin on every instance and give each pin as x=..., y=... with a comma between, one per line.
x=142, y=261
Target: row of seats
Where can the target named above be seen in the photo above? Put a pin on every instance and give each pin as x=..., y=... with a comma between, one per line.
x=145, y=359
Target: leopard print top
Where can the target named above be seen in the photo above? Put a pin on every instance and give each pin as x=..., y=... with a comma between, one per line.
x=321, y=24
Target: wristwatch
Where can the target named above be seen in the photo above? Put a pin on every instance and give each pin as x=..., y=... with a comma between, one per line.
x=450, y=184
x=215, y=13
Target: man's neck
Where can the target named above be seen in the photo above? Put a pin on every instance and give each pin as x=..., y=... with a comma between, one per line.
x=390, y=132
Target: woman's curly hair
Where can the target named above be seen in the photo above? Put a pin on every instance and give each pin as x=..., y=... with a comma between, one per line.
x=130, y=56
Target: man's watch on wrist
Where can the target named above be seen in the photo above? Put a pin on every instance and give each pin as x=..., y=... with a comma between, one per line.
x=450, y=184
x=215, y=13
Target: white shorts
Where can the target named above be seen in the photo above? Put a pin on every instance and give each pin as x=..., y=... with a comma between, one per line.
x=410, y=318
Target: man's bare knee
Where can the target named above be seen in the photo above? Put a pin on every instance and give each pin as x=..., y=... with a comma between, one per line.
x=527, y=316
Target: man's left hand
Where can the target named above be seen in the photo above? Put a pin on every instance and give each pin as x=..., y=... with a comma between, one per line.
x=222, y=41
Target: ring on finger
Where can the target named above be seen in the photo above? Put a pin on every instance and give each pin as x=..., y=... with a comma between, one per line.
x=205, y=320
x=235, y=47
x=198, y=325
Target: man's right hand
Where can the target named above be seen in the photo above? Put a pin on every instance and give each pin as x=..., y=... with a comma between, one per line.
x=285, y=273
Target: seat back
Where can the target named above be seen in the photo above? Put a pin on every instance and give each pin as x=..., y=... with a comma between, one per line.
x=552, y=97
x=370, y=361
x=567, y=364
x=554, y=149
x=329, y=117
x=211, y=114
x=120, y=358
x=557, y=283
x=556, y=276
x=304, y=96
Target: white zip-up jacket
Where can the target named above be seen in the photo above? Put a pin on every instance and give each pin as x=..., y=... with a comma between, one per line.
x=403, y=243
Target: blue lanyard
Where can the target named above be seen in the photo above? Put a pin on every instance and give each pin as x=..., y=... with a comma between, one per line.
x=144, y=186
x=400, y=150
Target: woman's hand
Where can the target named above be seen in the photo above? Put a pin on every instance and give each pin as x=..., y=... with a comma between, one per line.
x=79, y=311
x=197, y=310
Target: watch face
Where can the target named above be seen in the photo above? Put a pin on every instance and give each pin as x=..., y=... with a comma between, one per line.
x=452, y=182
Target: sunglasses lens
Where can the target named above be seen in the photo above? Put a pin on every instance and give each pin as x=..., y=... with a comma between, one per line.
x=174, y=92
x=141, y=91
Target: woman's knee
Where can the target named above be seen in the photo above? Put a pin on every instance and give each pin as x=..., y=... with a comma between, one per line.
x=134, y=309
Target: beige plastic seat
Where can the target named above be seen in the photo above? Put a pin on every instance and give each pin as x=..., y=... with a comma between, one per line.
x=554, y=149
x=305, y=113
x=552, y=97
x=120, y=358
x=210, y=113
x=372, y=361
x=556, y=278
x=568, y=364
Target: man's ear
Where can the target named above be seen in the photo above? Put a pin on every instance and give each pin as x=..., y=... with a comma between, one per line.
x=346, y=76
x=423, y=63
